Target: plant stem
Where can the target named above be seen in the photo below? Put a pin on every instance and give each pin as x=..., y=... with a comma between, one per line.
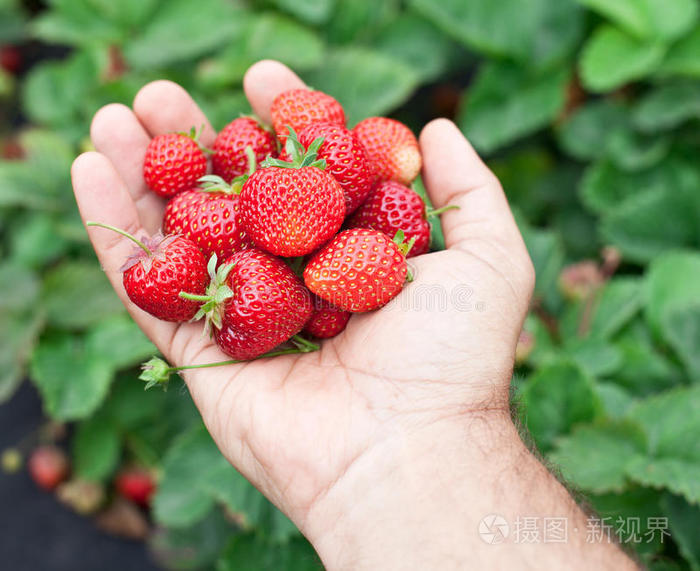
x=194, y=297
x=438, y=211
x=123, y=233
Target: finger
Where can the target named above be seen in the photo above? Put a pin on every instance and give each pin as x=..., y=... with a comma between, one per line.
x=102, y=196
x=264, y=81
x=454, y=174
x=118, y=135
x=163, y=107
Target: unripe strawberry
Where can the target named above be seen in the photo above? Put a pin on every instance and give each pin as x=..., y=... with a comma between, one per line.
x=48, y=466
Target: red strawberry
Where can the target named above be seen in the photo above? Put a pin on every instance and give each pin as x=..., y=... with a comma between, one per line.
x=173, y=163
x=327, y=320
x=391, y=207
x=298, y=108
x=359, y=270
x=10, y=59
x=290, y=209
x=391, y=147
x=230, y=159
x=345, y=159
x=255, y=302
x=159, y=269
x=48, y=466
x=210, y=217
x=135, y=484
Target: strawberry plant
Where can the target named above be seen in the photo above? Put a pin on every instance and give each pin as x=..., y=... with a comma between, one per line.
x=588, y=113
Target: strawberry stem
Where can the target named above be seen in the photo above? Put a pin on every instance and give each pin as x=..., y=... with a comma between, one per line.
x=194, y=297
x=123, y=233
x=437, y=211
x=304, y=345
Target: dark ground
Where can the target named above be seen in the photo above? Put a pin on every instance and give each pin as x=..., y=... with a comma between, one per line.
x=37, y=533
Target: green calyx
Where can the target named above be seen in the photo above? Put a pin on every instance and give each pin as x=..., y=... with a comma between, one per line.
x=156, y=372
x=195, y=134
x=300, y=157
x=213, y=300
x=404, y=247
x=214, y=183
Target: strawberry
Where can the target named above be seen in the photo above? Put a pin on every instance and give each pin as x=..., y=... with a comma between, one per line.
x=359, y=270
x=327, y=320
x=291, y=208
x=173, y=163
x=135, y=484
x=345, y=159
x=10, y=59
x=255, y=302
x=298, y=108
x=229, y=159
x=392, y=148
x=159, y=269
x=209, y=216
x=48, y=466
x=391, y=207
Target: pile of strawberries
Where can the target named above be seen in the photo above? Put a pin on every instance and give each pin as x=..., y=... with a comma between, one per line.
x=298, y=226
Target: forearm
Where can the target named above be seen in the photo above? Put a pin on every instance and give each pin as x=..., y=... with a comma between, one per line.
x=420, y=505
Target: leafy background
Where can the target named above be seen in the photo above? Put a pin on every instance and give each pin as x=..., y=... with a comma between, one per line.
x=588, y=110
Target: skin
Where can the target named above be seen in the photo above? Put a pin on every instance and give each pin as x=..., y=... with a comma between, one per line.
x=388, y=445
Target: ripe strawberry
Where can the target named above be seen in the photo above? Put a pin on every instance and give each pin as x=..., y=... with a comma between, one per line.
x=298, y=108
x=135, y=484
x=159, y=269
x=255, y=302
x=230, y=159
x=48, y=467
x=291, y=208
x=391, y=147
x=359, y=270
x=173, y=163
x=209, y=216
x=327, y=320
x=10, y=59
x=391, y=207
x=345, y=159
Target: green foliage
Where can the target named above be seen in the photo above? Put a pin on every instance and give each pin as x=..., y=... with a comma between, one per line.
x=587, y=110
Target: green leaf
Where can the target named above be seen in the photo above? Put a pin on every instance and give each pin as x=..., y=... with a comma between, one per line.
x=671, y=422
x=586, y=134
x=35, y=240
x=682, y=59
x=357, y=21
x=594, y=457
x=417, y=43
x=18, y=334
x=595, y=356
x=672, y=283
x=366, y=82
x=96, y=448
x=664, y=19
x=181, y=30
x=542, y=32
x=77, y=22
x=506, y=102
x=684, y=521
x=119, y=341
x=634, y=151
x=19, y=288
x=72, y=382
x=667, y=106
x=556, y=398
x=612, y=58
x=309, y=11
x=650, y=223
x=547, y=252
x=77, y=293
x=620, y=300
x=266, y=36
x=616, y=400
x=681, y=329
x=195, y=547
x=251, y=552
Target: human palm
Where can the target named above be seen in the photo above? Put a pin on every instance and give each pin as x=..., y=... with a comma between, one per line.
x=300, y=426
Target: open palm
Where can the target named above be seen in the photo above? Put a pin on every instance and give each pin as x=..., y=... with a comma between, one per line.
x=300, y=426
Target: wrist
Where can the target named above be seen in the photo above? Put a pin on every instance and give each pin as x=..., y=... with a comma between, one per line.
x=390, y=496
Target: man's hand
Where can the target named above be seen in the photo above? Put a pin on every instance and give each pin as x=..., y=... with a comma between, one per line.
x=377, y=429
